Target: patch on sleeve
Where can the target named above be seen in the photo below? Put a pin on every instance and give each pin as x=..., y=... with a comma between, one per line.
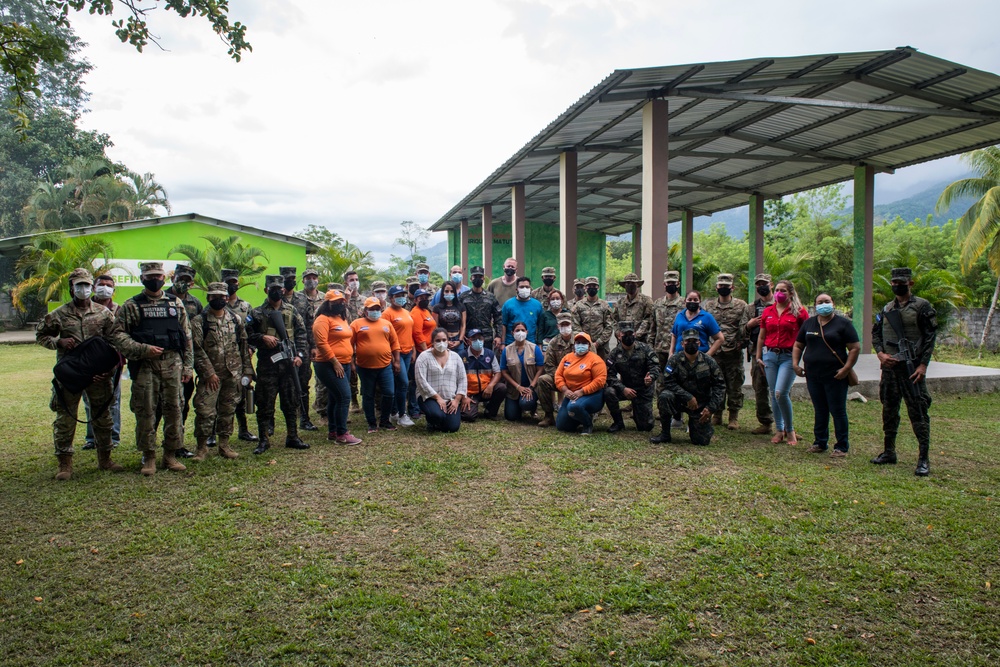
x=669, y=369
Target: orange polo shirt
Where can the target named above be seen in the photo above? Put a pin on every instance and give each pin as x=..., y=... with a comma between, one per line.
x=333, y=339
x=402, y=322
x=587, y=373
x=423, y=326
x=374, y=342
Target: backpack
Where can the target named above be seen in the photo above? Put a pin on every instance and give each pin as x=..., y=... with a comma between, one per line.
x=77, y=368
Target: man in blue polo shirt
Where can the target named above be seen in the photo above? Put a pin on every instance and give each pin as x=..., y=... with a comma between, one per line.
x=522, y=309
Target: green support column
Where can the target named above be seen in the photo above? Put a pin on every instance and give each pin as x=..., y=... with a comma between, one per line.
x=864, y=261
x=756, y=242
x=454, y=252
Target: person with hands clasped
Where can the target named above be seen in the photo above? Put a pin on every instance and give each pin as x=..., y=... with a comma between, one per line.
x=376, y=354
x=520, y=364
x=334, y=355
x=580, y=378
x=441, y=385
x=779, y=326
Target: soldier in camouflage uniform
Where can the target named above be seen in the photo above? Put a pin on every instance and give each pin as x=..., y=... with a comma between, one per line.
x=183, y=279
x=632, y=375
x=579, y=294
x=423, y=279
x=592, y=316
x=156, y=339
x=917, y=320
x=635, y=308
x=355, y=308
x=732, y=315
x=482, y=310
x=305, y=310
x=548, y=284
x=274, y=378
x=665, y=311
x=764, y=287
x=412, y=285
x=62, y=330
x=241, y=309
x=545, y=386
x=222, y=360
x=692, y=383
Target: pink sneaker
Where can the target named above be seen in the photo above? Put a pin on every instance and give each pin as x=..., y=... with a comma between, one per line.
x=348, y=439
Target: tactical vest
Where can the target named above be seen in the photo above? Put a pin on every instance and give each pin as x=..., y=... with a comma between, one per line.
x=514, y=364
x=159, y=322
x=909, y=314
x=287, y=314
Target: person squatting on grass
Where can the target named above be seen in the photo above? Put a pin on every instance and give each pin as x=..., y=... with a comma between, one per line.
x=580, y=378
x=520, y=364
x=441, y=385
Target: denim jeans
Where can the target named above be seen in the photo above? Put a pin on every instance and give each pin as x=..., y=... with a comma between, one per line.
x=514, y=409
x=116, y=416
x=412, y=405
x=829, y=398
x=438, y=419
x=780, y=376
x=579, y=412
x=338, y=392
x=383, y=378
x=402, y=383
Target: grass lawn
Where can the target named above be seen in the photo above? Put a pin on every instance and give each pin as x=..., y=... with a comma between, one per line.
x=964, y=354
x=505, y=544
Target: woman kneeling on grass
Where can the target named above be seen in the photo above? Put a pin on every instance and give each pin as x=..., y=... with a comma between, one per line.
x=441, y=384
x=334, y=354
x=580, y=377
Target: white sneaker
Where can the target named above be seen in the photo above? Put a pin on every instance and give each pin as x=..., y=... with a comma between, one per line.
x=406, y=421
x=393, y=418
x=676, y=423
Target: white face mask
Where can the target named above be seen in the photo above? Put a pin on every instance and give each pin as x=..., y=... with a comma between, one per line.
x=353, y=285
x=441, y=346
x=380, y=296
x=82, y=291
x=555, y=303
x=565, y=331
x=104, y=291
x=523, y=292
x=520, y=336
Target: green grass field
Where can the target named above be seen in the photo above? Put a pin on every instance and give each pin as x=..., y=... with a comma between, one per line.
x=505, y=544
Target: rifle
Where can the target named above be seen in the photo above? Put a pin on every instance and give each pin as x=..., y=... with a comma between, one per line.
x=906, y=355
x=750, y=344
x=286, y=351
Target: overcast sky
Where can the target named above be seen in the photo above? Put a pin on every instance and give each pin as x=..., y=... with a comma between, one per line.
x=360, y=115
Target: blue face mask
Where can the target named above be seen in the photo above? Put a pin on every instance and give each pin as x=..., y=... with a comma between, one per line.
x=448, y=296
x=824, y=309
x=581, y=348
x=422, y=277
x=400, y=301
x=456, y=277
x=477, y=345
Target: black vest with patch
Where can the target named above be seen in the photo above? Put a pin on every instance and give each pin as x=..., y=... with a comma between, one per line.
x=159, y=322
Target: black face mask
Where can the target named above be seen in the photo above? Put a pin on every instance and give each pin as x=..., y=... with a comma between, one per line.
x=725, y=291
x=628, y=340
x=477, y=281
x=289, y=283
x=339, y=310
x=579, y=292
x=692, y=306
x=592, y=291
x=900, y=290
x=692, y=347
x=274, y=294
x=422, y=303
x=764, y=290
x=671, y=289
x=508, y=271
x=153, y=284
x=412, y=289
x=231, y=288
x=548, y=282
x=631, y=289
x=217, y=303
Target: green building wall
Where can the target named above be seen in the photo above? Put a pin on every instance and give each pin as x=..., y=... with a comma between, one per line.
x=541, y=245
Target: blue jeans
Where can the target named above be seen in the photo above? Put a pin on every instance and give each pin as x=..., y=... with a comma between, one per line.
x=383, y=378
x=780, y=376
x=829, y=398
x=402, y=382
x=116, y=416
x=411, y=391
x=513, y=409
x=579, y=412
x=338, y=392
x=438, y=419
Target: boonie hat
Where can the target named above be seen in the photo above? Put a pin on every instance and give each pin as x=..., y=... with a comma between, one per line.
x=631, y=278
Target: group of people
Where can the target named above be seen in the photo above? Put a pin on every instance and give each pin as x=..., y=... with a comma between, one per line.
x=459, y=352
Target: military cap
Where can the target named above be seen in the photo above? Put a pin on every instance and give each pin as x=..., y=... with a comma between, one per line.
x=335, y=295
x=146, y=268
x=724, y=279
x=902, y=273
x=549, y=271
x=420, y=293
x=691, y=333
x=81, y=276
x=330, y=286
x=230, y=274
x=218, y=288
x=671, y=275
x=423, y=267
x=412, y=280
x=626, y=325
x=578, y=281
x=631, y=278
x=274, y=281
x=592, y=280
x=310, y=272
x=472, y=333
x=564, y=318
x=373, y=302
x=287, y=271
x=397, y=289
x=479, y=271
x=183, y=270
x=379, y=285
x=763, y=278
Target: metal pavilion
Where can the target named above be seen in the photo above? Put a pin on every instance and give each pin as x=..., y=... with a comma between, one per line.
x=655, y=145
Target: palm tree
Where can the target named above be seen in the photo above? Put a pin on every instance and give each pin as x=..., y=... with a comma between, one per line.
x=795, y=267
x=228, y=253
x=148, y=195
x=703, y=271
x=979, y=227
x=939, y=286
x=48, y=208
x=335, y=260
x=45, y=266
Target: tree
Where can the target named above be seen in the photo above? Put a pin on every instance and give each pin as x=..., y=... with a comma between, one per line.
x=45, y=265
x=979, y=227
x=335, y=260
x=228, y=253
x=939, y=286
x=320, y=236
x=411, y=237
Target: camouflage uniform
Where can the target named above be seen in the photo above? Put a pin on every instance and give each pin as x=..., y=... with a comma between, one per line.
x=919, y=326
x=558, y=348
x=482, y=311
x=628, y=368
x=240, y=309
x=571, y=299
x=665, y=311
x=594, y=319
x=637, y=309
x=412, y=285
x=428, y=287
x=193, y=306
x=68, y=321
x=683, y=379
x=220, y=349
x=732, y=318
x=542, y=293
x=304, y=308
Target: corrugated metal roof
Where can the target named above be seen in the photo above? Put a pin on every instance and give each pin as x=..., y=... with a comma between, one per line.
x=770, y=126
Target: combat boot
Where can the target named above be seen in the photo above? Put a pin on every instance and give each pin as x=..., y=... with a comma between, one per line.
x=262, y=445
x=547, y=421
x=148, y=463
x=292, y=440
x=244, y=432
x=617, y=422
x=65, y=467
x=888, y=455
x=717, y=419
x=663, y=437
x=763, y=429
x=170, y=461
x=202, y=452
x=923, y=463
x=104, y=461
x=733, y=420
x=225, y=451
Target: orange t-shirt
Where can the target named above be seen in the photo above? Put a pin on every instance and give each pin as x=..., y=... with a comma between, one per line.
x=402, y=322
x=333, y=339
x=587, y=373
x=374, y=342
x=423, y=326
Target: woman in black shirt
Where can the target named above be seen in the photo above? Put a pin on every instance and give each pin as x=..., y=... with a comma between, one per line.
x=449, y=314
x=828, y=347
